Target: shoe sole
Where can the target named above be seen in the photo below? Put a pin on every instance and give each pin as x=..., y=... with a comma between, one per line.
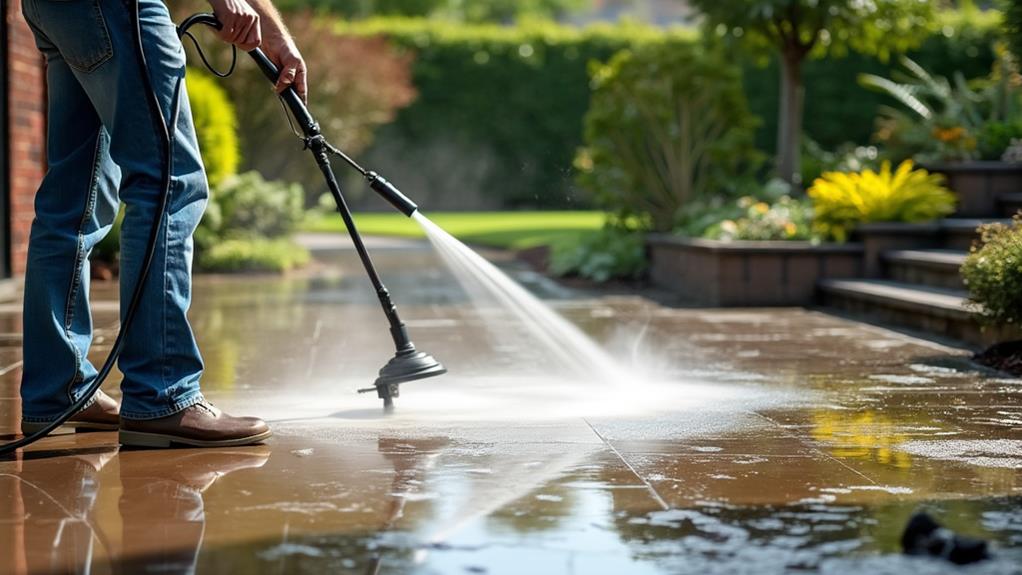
x=69, y=428
x=163, y=441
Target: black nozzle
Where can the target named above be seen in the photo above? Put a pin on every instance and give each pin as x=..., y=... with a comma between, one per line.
x=407, y=365
x=391, y=194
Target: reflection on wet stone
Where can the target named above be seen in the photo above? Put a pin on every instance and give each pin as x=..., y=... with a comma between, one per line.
x=757, y=441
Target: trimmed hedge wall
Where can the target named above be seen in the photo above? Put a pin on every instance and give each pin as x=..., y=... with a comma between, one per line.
x=499, y=114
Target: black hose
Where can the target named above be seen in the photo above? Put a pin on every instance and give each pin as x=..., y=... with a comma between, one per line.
x=166, y=132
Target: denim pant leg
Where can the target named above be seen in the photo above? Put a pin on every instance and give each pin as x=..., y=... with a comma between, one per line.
x=74, y=209
x=160, y=361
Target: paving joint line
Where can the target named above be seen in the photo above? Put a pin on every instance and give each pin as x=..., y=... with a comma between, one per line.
x=649, y=486
x=815, y=448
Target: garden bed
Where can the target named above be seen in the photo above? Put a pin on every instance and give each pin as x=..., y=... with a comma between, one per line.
x=748, y=273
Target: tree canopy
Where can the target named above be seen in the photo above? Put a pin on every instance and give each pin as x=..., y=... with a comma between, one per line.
x=821, y=27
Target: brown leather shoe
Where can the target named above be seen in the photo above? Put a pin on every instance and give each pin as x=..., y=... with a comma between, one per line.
x=200, y=425
x=102, y=415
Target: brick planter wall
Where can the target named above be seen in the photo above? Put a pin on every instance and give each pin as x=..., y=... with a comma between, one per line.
x=741, y=273
x=26, y=116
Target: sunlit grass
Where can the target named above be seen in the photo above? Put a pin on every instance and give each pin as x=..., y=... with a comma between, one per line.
x=511, y=230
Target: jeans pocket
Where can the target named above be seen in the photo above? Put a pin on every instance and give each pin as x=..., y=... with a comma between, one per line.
x=78, y=30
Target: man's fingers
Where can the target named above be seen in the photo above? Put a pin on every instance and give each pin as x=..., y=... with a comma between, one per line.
x=286, y=78
x=252, y=37
x=301, y=83
x=241, y=29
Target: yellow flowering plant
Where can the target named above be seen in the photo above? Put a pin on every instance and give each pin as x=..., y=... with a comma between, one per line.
x=843, y=200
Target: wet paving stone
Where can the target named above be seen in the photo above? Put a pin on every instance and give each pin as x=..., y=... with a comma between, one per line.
x=742, y=441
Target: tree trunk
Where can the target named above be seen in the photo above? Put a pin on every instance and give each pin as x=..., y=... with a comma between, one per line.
x=789, y=126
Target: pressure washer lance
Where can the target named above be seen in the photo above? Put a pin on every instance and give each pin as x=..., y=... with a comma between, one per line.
x=408, y=364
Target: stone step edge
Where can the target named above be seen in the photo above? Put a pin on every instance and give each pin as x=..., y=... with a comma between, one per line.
x=937, y=259
x=937, y=302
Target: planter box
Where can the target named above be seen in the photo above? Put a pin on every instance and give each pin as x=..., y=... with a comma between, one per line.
x=880, y=237
x=980, y=186
x=741, y=273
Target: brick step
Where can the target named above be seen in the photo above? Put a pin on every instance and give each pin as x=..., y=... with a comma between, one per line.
x=1009, y=204
x=939, y=311
x=959, y=233
x=932, y=268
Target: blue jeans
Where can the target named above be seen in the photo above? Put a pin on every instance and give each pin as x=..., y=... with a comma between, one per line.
x=102, y=139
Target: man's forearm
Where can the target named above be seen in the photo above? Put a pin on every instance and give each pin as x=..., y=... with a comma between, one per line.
x=269, y=17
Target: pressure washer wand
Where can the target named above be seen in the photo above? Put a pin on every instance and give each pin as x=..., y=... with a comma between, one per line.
x=408, y=364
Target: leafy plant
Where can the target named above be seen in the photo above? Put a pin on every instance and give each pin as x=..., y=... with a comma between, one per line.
x=611, y=253
x=843, y=200
x=945, y=119
x=666, y=126
x=253, y=255
x=996, y=137
x=785, y=219
x=251, y=206
x=993, y=273
x=698, y=216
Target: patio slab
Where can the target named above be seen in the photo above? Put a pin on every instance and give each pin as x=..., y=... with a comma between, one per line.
x=748, y=441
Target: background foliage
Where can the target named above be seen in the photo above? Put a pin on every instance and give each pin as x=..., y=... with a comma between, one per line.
x=499, y=112
x=493, y=127
x=667, y=125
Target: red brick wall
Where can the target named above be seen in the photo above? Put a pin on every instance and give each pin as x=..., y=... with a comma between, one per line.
x=26, y=99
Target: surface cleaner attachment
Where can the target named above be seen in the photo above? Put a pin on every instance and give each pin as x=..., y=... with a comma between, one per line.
x=408, y=364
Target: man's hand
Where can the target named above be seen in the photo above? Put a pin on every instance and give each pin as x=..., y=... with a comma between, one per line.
x=241, y=23
x=281, y=50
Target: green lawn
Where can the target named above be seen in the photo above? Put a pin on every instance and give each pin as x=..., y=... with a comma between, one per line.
x=511, y=230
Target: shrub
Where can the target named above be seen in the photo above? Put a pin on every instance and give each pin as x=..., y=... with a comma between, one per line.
x=993, y=273
x=611, y=253
x=251, y=206
x=996, y=137
x=667, y=125
x=843, y=200
x=785, y=219
x=253, y=255
x=215, y=125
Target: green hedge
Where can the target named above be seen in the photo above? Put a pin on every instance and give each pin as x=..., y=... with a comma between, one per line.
x=500, y=108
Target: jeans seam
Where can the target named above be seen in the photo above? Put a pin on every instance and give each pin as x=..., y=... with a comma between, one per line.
x=79, y=264
x=90, y=205
x=166, y=288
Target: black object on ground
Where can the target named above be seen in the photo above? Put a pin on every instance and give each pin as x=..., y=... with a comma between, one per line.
x=1006, y=357
x=924, y=536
